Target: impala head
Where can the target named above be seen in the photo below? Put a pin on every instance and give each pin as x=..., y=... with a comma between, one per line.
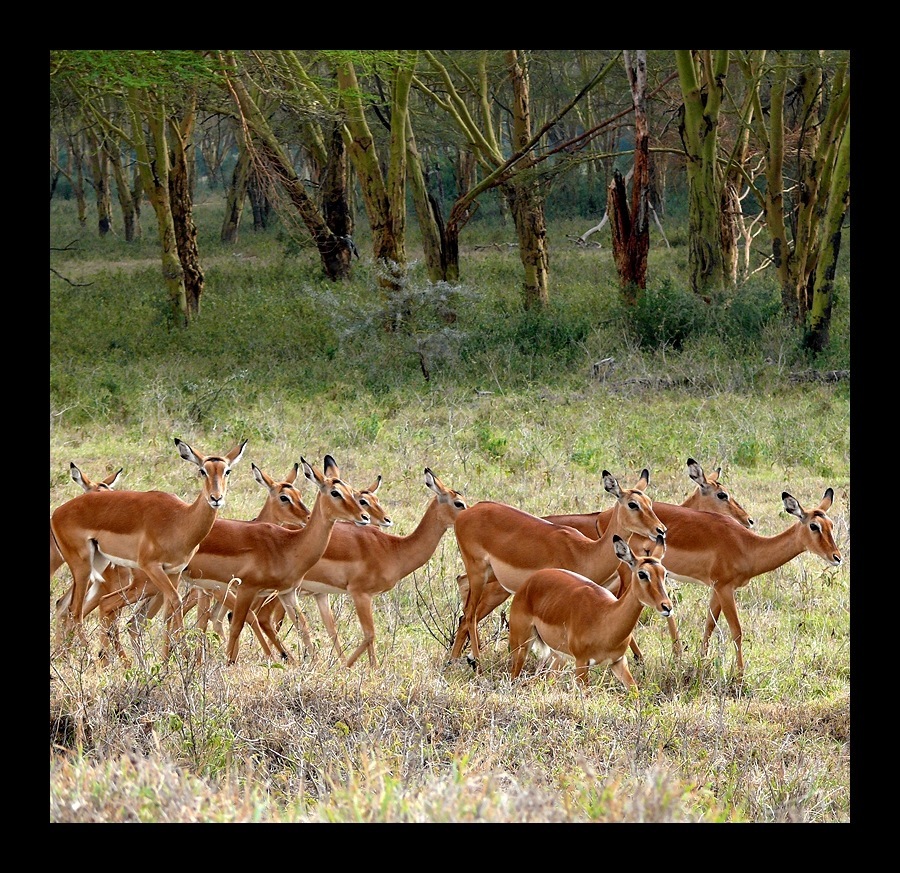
x=369, y=501
x=340, y=503
x=284, y=504
x=648, y=575
x=635, y=507
x=450, y=501
x=106, y=484
x=818, y=529
x=712, y=497
x=214, y=470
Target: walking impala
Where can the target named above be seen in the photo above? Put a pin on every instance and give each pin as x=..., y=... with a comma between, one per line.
x=499, y=541
x=152, y=531
x=708, y=548
x=254, y=559
x=570, y=615
x=363, y=562
x=283, y=505
x=708, y=496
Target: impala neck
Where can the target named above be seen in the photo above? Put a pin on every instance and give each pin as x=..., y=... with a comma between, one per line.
x=770, y=553
x=420, y=545
x=606, y=561
x=315, y=536
x=199, y=519
x=622, y=616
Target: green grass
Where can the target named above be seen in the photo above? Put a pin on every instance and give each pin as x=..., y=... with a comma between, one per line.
x=510, y=412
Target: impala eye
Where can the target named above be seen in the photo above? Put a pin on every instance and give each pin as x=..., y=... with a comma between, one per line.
x=644, y=576
x=633, y=505
x=284, y=498
x=722, y=495
x=336, y=493
x=815, y=527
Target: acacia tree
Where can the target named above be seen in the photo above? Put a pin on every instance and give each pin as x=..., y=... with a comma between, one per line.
x=802, y=143
x=272, y=160
x=469, y=99
x=156, y=93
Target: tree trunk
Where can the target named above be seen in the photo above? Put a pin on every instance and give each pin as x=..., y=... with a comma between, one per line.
x=260, y=204
x=699, y=133
x=630, y=228
x=427, y=212
x=334, y=252
x=525, y=194
x=819, y=330
x=335, y=183
x=236, y=195
x=181, y=179
x=155, y=172
x=130, y=223
x=527, y=209
x=100, y=176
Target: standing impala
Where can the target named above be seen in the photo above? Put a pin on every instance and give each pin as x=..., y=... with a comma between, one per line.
x=152, y=531
x=365, y=562
x=254, y=559
x=499, y=541
x=570, y=615
x=708, y=496
x=710, y=549
x=56, y=558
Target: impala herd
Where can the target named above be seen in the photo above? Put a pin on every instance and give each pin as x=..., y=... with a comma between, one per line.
x=579, y=583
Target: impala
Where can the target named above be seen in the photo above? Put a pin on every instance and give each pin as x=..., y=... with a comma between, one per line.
x=368, y=499
x=572, y=616
x=708, y=496
x=710, y=549
x=56, y=558
x=283, y=505
x=254, y=559
x=363, y=562
x=152, y=531
x=499, y=541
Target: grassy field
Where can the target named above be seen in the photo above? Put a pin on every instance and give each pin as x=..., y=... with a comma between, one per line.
x=513, y=410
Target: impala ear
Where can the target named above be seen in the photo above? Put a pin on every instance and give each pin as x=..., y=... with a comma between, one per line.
x=659, y=549
x=188, y=453
x=331, y=468
x=610, y=484
x=695, y=471
x=313, y=475
x=827, y=500
x=791, y=505
x=261, y=477
x=237, y=453
x=292, y=476
x=644, y=481
x=623, y=550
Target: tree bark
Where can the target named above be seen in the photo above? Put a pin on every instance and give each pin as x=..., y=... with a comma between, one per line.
x=236, y=195
x=181, y=185
x=699, y=132
x=630, y=227
x=819, y=330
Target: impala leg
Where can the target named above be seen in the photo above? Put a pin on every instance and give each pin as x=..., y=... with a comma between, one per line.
x=520, y=639
x=729, y=608
x=363, y=604
x=265, y=626
x=581, y=672
x=327, y=616
x=622, y=673
x=242, y=603
x=674, y=636
x=712, y=621
x=291, y=607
